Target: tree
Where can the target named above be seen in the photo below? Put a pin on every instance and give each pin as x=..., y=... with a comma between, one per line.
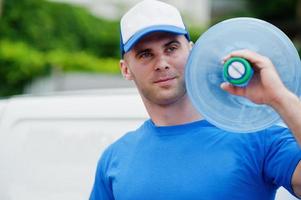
x=1, y=7
x=47, y=25
x=38, y=35
x=282, y=13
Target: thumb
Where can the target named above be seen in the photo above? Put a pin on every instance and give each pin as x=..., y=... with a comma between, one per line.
x=232, y=89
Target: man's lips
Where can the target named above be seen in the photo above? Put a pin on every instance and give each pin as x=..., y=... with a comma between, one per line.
x=162, y=80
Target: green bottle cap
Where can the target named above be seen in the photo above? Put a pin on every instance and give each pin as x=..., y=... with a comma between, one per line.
x=238, y=71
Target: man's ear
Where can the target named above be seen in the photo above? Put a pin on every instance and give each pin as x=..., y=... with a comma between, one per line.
x=191, y=45
x=125, y=70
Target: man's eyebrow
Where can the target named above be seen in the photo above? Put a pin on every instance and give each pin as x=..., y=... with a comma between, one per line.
x=171, y=42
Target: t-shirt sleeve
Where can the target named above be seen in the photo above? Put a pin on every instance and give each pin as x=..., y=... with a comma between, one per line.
x=283, y=154
x=102, y=189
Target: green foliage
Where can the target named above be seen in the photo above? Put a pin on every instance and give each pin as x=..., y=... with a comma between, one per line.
x=37, y=36
x=20, y=64
x=269, y=10
x=82, y=61
x=47, y=26
x=281, y=13
x=195, y=32
x=273, y=9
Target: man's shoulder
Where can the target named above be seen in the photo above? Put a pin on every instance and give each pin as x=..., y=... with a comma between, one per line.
x=128, y=140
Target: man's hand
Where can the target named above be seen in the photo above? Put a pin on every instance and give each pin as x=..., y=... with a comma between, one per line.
x=265, y=86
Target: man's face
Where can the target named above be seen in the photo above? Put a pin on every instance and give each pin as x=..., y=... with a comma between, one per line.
x=156, y=64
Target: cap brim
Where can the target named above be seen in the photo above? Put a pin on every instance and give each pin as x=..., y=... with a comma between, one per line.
x=161, y=28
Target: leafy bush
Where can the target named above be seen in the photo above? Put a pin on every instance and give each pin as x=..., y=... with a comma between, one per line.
x=196, y=32
x=20, y=64
x=37, y=36
x=272, y=10
x=48, y=25
x=81, y=61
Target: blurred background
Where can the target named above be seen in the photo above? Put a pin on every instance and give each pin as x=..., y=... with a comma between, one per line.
x=59, y=45
x=49, y=146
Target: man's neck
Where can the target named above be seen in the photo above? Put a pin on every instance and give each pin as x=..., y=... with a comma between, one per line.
x=180, y=112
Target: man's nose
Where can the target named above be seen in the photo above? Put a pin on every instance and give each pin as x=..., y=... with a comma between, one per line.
x=162, y=63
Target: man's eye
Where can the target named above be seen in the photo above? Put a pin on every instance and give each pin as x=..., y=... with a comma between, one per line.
x=145, y=55
x=171, y=49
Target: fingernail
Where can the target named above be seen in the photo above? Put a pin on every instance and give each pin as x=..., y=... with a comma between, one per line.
x=223, y=85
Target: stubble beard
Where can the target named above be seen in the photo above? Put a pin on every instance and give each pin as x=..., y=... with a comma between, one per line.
x=163, y=96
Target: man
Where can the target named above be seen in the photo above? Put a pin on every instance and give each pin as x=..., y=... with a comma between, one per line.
x=177, y=155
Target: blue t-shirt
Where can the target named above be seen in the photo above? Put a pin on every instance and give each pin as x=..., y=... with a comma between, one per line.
x=196, y=161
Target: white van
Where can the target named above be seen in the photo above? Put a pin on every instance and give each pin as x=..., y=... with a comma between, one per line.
x=50, y=145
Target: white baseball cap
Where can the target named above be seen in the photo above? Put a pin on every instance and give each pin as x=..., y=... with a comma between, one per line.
x=146, y=17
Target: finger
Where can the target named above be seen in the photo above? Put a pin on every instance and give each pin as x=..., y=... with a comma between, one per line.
x=257, y=60
x=239, y=91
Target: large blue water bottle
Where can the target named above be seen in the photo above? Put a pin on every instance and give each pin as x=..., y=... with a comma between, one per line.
x=205, y=72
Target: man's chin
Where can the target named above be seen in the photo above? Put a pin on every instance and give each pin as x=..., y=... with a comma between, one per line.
x=166, y=99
